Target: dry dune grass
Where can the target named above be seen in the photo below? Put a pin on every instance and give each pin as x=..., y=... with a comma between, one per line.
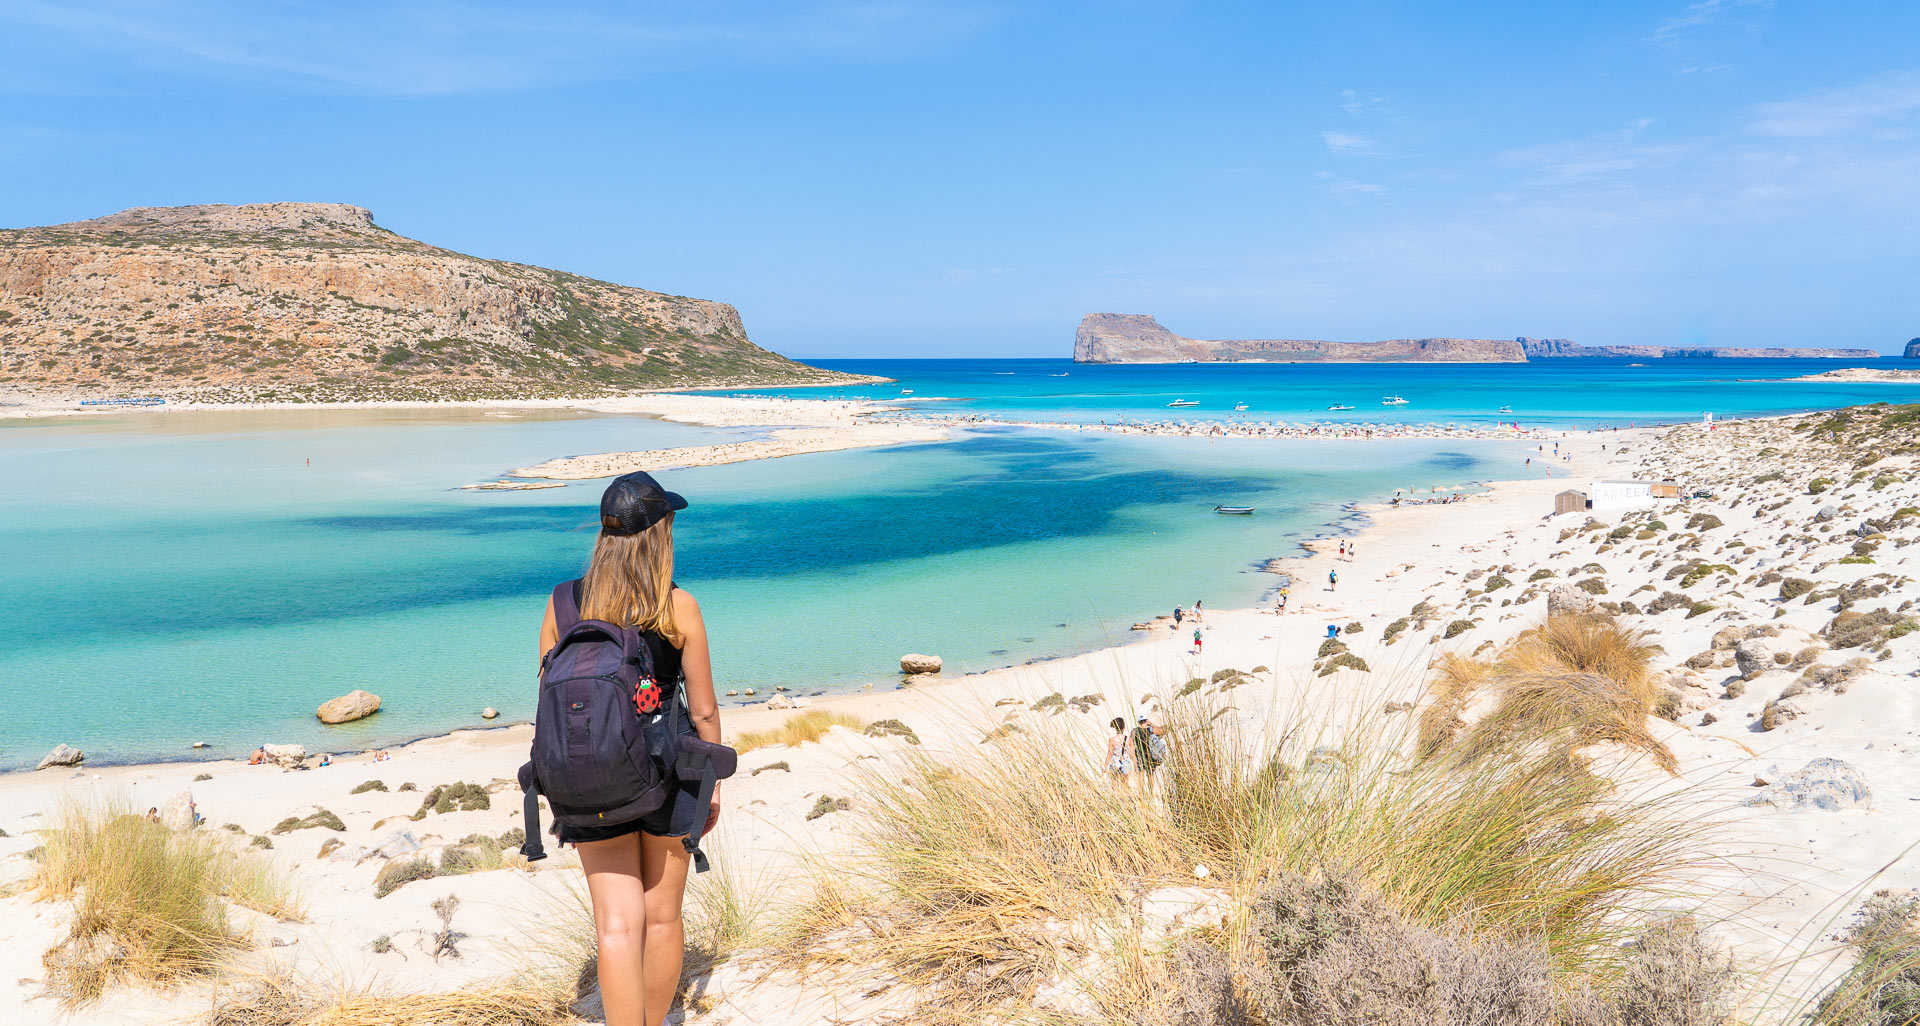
x=799, y=728
x=278, y=1000
x=1577, y=680
x=149, y=903
x=983, y=880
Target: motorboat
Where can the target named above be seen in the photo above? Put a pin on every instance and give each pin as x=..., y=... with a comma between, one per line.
x=1393, y=400
x=906, y=391
x=1239, y=407
x=1234, y=511
x=1506, y=409
x=1181, y=403
x=1339, y=406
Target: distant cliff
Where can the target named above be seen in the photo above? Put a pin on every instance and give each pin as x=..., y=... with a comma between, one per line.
x=1138, y=338
x=313, y=301
x=1913, y=349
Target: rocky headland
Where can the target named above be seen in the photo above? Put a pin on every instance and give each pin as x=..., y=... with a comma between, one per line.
x=1913, y=349
x=314, y=302
x=1139, y=338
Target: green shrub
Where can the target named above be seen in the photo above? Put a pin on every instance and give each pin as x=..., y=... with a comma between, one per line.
x=319, y=818
x=1331, y=646
x=1818, y=485
x=1794, y=587
x=1345, y=660
x=371, y=785
x=1458, y=627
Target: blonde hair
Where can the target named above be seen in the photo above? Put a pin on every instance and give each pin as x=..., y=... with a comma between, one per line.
x=629, y=580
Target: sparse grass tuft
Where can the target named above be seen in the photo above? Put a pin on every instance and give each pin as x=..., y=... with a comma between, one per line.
x=798, y=729
x=149, y=903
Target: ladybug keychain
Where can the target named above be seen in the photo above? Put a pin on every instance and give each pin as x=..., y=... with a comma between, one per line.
x=646, y=696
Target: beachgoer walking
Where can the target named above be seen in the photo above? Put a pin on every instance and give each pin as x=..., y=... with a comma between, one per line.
x=1343, y=550
x=1333, y=580
x=1280, y=605
x=1196, y=610
x=1177, y=614
x=1119, y=759
x=1350, y=552
x=1149, y=749
x=637, y=871
x=1196, y=641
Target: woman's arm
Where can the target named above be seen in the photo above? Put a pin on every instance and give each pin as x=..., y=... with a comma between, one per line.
x=696, y=671
x=696, y=666
x=549, y=631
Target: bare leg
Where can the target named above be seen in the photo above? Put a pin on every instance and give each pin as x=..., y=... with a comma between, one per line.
x=663, y=872
x=619, y=923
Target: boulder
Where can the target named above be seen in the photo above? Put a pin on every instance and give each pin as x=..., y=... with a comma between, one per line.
x=1171, y=910
x=779, y=702
x=177, y=813
x=1753, y=658
x=914, y=662
x=1826, y=513
x=1567, y=600
x=62, y=755
x=491, y=713
x=1829, y=784
x=394, y=845
x=286, y=756
x=354, y=705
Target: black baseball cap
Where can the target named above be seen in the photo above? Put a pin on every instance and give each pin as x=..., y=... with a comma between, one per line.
x=635, y=502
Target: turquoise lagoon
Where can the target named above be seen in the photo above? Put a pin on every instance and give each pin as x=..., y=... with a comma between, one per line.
x=181, y=577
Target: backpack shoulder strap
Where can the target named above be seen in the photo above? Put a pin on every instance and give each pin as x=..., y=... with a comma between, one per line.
x=566, y=605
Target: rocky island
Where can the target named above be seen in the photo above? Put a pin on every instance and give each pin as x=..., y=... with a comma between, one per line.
x=315, y=302
x=1139, y=338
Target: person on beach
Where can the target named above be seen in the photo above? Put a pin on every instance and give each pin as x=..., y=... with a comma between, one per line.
x=637, y=871
x=325, y=760
x=1333, y=580
x=1196, y=610
x=1119, y=764
x=1177, y=614
x=1196, y=641
x=259, y=756
x=1149, y=749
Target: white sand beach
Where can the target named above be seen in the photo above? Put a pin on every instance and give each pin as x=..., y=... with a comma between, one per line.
x=1783, y=874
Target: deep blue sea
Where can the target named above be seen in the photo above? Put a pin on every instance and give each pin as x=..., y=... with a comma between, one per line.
x=177, y=577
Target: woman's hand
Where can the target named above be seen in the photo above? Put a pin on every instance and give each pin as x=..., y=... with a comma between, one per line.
x=713, y=811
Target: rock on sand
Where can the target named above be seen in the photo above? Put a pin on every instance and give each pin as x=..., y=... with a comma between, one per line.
x=1567, y=600
x=1829, y=784
x=914, y=662
x=354, y=705
x=285, y=756
x=177, y=813
x=62, y=755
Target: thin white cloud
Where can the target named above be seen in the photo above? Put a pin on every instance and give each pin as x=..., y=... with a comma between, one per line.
x=1344, y=142
x=1355, y=188
x=1878, y=104
x=427, y=47
x=1699, y=15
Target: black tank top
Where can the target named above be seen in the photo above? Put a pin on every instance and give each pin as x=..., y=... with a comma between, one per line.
x=666, y=658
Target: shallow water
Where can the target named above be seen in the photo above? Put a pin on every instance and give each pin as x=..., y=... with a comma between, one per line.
x=189, y=577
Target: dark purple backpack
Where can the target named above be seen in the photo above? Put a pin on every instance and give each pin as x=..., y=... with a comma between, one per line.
x=598, y=760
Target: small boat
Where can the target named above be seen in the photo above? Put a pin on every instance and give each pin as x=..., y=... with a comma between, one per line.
x=1236, y=511
x=906, y=391
x=1179, y=403
x=1339, y=406
x=1393, y=400
x=1506, y=409
x=1238, y=407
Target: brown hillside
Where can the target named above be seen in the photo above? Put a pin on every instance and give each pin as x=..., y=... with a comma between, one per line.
x=313, y=301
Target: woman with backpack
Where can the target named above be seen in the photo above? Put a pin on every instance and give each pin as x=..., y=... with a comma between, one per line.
x=637, y=870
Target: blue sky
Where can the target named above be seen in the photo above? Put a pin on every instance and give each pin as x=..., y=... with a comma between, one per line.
x=959, y=178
